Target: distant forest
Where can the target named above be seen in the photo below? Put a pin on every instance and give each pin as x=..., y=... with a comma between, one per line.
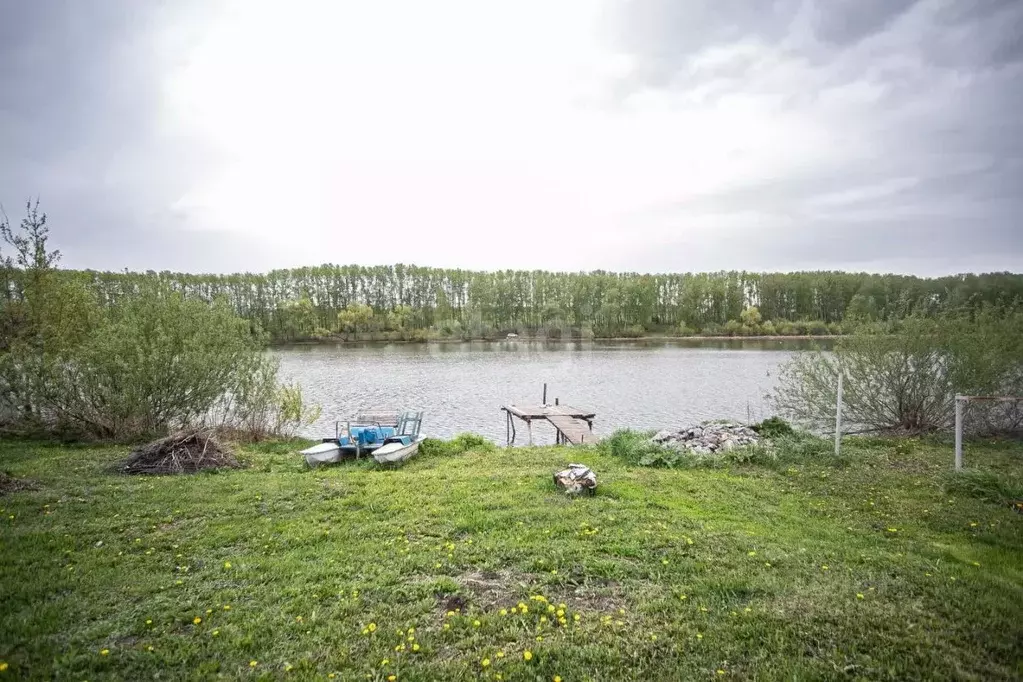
x=415, y=303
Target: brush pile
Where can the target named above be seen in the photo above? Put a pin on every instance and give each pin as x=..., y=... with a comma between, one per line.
x=184, y=452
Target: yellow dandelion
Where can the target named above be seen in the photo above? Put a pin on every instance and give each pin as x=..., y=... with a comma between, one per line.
x=3, y=666
x=543, y=619
x=859, y=595
x=331, y=676
x=504, y=612
x=298, y=619
x=447, y=626
x=576, y=617
x=485, y=662
x=524, y=609
x=104, y=652
x=372, y=627
x=253, y=664
x=227, y=607
x=412, y=631
x=476, y=623
x=384, y=662
x=500, y=654
x=498, y=676
x=391, y=678
x=450, y=614
x=720, y=671
x=415, y=647
x=288, y=668
x=527, y=655
x=550, y=608
x=824, y=568
x=561, y=612
x=557, y=678
x=227, y=564
x=215, y=633
x=149, y=622
x=149, y=648
x=893, y=530
x=197, y=620
x=562, y=621
x=653, y=638
x=699, y=635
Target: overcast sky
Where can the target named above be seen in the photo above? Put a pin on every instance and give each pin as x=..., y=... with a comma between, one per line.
x=652, y=135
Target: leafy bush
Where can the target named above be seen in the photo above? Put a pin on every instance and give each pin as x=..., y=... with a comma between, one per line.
x=773, y=427
x=152, y=362
x=631, y=446
x=907, y=380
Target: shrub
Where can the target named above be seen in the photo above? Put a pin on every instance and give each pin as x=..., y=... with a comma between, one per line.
x=907, y=380
x=773, y=427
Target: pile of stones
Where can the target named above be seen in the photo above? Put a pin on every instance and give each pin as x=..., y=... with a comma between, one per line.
x=708, y=438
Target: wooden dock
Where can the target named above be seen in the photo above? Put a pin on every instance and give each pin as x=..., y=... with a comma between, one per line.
x=573, y=426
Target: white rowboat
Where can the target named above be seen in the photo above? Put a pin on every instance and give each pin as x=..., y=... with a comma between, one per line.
x=390, y=453
x=324, y=453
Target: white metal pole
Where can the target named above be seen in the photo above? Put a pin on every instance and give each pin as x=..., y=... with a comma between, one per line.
x=838, y=416
x=959, y=432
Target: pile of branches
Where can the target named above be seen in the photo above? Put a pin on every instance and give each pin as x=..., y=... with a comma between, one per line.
x=183, y=452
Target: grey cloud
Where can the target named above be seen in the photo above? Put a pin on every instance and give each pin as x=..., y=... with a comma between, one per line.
x=844, y=22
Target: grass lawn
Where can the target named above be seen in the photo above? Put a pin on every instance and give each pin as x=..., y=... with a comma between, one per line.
x=475, y=567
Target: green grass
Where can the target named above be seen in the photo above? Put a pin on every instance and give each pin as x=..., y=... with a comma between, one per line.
x=877, y=567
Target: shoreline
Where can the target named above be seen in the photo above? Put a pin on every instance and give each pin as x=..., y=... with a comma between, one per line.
x=537, y=339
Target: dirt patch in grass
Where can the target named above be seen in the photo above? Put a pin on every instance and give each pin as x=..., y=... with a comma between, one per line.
x=604, y=598
x=10, y=484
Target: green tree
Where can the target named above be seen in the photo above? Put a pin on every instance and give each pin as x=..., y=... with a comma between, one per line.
x=355, y=317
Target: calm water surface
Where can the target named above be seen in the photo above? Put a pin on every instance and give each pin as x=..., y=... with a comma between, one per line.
x=642, y=385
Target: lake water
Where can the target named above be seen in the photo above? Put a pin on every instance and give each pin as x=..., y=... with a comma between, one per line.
x=461, y=386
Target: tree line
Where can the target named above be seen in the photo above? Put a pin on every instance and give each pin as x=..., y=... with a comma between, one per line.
x=413, y=302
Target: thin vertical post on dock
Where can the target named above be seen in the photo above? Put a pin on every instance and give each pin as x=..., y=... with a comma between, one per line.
x=544, y=401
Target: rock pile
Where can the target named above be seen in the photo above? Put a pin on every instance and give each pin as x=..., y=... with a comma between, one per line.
x=708, y=438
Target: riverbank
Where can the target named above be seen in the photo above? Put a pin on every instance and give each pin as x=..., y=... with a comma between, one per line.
x=340, y=341
x=473, y=566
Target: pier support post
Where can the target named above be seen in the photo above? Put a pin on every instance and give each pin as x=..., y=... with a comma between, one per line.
x=529, y=428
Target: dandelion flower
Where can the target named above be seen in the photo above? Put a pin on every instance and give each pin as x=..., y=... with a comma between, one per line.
x=288, y=668
x=720, y=671
x=824, y=568
x=391, y=678
x=543, y=619
x=253, y=664
x=653, y=638
x=527, y=655
x=227, y=564
x=447, y=626
x=859, y=595
x=450, y=614
x=476, y=623
x=197, y=620
x=550, y=608
x=331, y=676
x=504, y=612
x=372, y=627
x=384, y=662
x=3, y=666
x=415, y=647
x=576, y=617
x=699, y=635
x=149, y=648
x=104, y=652
x=216, y=633
x=227, y=607
x=485, y=662
x=149, y=622
x=557, y=678
x=500, y=654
